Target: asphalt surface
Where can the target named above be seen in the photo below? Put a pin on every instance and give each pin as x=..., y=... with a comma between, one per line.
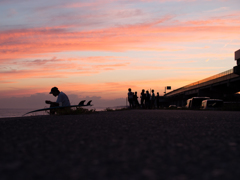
x=131, y=144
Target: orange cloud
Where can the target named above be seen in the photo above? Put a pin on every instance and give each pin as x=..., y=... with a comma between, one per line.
x=106, y=89
x=73, y=67
x=56, y=68
x=27, y=42
x=25, y=52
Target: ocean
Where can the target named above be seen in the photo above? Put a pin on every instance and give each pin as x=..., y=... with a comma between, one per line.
x=12, y=112
x=18, y=112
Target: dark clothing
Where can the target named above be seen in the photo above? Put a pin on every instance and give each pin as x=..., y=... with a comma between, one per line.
x=130, y=98
x=147, y=100
x=143, y=97
x=135, y=101
x=157, y=100
x=153, y=100
x=52, y=111
x=62, y=110
x=130, y=102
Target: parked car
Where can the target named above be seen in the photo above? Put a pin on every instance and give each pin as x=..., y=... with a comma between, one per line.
x=212, y=104
x=195, y=102
x=172, y=106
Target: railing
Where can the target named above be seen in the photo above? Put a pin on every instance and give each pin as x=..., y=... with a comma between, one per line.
x=230, y=71
x=201, y=82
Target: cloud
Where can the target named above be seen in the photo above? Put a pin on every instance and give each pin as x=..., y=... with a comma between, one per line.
x=116, y=39
x=219, y=9
x=60, y=68
x=83, y=66
x=108, y=89
x=7, y=82
x=53, y=49
x=101, y=59
x=12, y=12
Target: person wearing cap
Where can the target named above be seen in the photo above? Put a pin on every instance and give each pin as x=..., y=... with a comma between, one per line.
x=62, y=99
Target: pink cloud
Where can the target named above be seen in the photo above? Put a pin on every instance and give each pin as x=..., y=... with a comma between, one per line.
x=7, y=82
x=129, y=37
x=108, y=89
x=56, y=68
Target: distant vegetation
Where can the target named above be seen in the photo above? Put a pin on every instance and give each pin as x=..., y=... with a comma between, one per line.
x=75, y=111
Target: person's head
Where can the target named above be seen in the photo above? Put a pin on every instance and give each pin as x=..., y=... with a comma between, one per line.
x=54, y=91
x=147, y=92
x=157, y=93
x=129, y=90
x=143, y=90
x=136, y=92
x=152, y=90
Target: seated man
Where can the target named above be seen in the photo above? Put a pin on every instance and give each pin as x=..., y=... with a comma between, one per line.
x=62, y=99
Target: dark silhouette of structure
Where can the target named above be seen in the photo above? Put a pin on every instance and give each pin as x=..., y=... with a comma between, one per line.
x=220, y=86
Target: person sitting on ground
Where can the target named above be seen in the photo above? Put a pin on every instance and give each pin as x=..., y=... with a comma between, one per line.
x=130, y=97
x=62, y=99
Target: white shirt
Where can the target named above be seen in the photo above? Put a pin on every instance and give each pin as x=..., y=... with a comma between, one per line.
x=63, y=99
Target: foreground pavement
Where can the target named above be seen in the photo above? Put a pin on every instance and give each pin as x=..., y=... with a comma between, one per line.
x=134, y=144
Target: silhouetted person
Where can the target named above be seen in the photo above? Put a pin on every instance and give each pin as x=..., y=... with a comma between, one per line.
x=153, y=99
x=130, y=97
x=143, y=97
x=157, y=99
x=62, y=99
x=135, y=100
x=147, y=100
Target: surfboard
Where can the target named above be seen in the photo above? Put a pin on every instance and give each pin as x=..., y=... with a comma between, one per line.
x=61, y=107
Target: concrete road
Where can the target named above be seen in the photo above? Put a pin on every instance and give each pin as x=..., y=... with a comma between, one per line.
x=131, y=144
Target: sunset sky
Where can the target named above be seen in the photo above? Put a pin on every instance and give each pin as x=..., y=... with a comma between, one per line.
x=100, y=48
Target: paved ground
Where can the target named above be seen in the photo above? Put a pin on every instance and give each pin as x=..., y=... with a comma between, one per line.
x=134, y=144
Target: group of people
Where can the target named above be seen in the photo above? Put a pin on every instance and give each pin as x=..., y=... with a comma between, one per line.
x=147, y=100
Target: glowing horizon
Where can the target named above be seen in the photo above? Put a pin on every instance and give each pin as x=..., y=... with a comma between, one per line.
x=103, y=47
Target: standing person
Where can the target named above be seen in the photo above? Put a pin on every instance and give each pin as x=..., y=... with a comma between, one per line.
x=147, y=100
x=153, y=100
x=130, y=97
x=157, y=99
x=143, y=97
x=62, y=99
x=135, y=100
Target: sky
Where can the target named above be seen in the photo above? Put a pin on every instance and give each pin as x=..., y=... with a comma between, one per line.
x=97, y=49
